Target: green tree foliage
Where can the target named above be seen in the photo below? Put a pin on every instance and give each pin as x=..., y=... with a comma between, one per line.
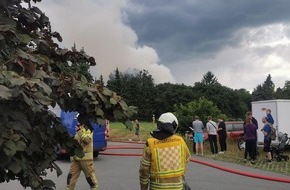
x=233, y=103
x=137, y=89
x=168, y=94
x=201, y=107
x=244, y=100
x=35, y=74
x=266, y=91
x=116, y=82
x=226, y=99
x=283, y=93
x=257, y=94
x=209, y=78
x=101, y=79
x=79, y=69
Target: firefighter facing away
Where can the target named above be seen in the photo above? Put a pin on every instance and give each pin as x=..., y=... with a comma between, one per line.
x=165, y=156
x=84, y=135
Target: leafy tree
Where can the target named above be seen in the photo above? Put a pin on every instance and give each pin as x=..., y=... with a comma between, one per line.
x=233, y=103
x=137, y=88
x=35, y=74
x=244, y=100
x=209, y=78
x=81, y=69
x=168, y=94
x=257, y=94
x=101, y=79
x=201, y=107
x=115, y=82
x=226, y=99
x=265, y=91
x=283, y=93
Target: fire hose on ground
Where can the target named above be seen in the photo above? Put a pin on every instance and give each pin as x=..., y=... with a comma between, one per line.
x=247, y=174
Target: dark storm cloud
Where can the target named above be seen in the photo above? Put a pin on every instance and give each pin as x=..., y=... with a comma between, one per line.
x=178, y=41
x=180, y=29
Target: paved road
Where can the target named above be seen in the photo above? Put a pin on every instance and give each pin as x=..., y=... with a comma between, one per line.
x=121, y=173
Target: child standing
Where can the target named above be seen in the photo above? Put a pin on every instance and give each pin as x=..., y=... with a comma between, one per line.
x=137, y=131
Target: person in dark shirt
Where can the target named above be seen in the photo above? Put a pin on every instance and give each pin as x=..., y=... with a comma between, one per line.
x=222, y=132
x=255, y=122
x=250, y=131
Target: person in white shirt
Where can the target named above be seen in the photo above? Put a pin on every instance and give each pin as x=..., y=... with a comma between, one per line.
x=211, y=127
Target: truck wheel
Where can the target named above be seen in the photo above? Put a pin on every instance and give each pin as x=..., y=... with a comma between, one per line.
x=96, y=154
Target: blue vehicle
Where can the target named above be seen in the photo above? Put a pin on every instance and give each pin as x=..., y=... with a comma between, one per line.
x=69, y=120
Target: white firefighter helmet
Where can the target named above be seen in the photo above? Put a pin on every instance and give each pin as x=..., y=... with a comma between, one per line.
x=167, y=122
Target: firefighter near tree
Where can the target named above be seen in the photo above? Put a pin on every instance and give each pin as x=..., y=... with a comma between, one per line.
x=84, y=135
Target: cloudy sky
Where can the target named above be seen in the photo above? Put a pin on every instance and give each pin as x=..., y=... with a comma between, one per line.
x=178, y=41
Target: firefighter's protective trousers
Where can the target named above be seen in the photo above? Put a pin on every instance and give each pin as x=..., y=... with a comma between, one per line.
x=85, y=164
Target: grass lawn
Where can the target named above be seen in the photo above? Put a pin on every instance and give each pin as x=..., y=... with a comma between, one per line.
x=234, y=155
x=118, y=132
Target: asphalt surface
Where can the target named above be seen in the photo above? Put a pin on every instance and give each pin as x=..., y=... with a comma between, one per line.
x=121, y=173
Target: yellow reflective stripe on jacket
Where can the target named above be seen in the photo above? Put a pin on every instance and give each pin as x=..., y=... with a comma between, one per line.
x=169, y=157
x=144, y=170
x=163, y=185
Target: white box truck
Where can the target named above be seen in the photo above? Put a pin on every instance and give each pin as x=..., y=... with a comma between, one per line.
x=280, y=110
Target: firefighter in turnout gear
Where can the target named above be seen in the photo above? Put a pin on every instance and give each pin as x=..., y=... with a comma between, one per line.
x=164, y=157
x=84, y=135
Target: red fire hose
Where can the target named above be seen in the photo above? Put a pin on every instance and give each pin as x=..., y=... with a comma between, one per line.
x=270, y=178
